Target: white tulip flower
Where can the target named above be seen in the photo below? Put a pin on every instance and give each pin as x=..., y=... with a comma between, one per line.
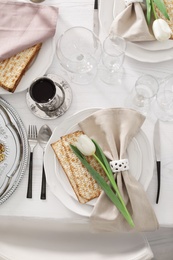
x=85, y=145
x=161, y=30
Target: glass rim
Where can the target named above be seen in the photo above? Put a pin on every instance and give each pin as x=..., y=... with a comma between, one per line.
x=150, y=76
x=111, y=39
x=70, y=29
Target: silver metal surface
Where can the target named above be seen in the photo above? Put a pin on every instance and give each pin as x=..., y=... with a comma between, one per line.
x=16, y=179
x=60, y=110
x=9, y=171
x=157, y=140
x=32, y=140
x=32, y=137
x=44, y=135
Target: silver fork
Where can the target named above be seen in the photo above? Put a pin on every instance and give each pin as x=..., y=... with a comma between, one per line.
x=32, y=139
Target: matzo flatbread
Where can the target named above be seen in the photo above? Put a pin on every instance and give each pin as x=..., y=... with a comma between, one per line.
x=12, y=69
x=83, y=184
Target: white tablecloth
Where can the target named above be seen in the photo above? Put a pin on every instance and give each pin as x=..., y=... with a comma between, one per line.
x=18, y=209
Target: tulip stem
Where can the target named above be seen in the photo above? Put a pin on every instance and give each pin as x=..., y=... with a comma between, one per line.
x=154, y=12
x=113, y=183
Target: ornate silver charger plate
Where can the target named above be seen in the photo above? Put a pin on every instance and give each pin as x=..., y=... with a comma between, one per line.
x=60, y=110
x=16, y=158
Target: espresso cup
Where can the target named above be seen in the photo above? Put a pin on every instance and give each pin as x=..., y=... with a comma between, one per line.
x=47, y=95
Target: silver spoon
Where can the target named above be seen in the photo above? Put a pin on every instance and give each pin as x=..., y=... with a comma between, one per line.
x=43, y=137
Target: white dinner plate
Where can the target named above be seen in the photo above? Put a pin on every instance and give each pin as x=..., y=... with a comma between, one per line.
x=9, y=138
x=38, y=67
x=151, y=52
x=134, y=155
x=57, y=187
x=154, y=45
x=135, y=52
x=16, y=142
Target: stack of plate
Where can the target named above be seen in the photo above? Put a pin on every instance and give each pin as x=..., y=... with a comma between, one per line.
x=139, y=154
x=152, y=52
x=14, y=140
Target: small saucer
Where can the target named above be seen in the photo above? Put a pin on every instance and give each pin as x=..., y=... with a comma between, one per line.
x=59, y=111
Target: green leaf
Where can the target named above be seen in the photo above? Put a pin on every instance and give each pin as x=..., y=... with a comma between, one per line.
x=77, y=152
x=108, y=170
x=161, y=6
x=148, y=15
x=103, y=184
x=102, y=157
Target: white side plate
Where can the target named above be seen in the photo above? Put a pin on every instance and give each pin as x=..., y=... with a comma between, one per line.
x=38, y=68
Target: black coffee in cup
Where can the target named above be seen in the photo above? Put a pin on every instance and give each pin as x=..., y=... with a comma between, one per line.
x=42, y=90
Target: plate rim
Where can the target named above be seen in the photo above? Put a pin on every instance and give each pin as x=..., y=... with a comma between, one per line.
x=130, y=45
x=12, y=133
x=83, y=209
x=72, y=193
x=47, y=55
x=25, y=151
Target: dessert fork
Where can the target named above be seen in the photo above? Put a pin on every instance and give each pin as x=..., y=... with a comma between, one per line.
x=32, y=139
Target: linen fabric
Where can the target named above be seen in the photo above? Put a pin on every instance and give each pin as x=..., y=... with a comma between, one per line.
x=113, y=129
x=130, y=22
x=23, y=25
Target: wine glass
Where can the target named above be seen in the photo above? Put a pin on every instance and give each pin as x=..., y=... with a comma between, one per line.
x=79, y=52
x=112, y=59
x=145, y=89
x=163, y=106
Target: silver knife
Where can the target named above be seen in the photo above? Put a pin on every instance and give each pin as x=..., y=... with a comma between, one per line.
x=158, y=157
x=96, y=18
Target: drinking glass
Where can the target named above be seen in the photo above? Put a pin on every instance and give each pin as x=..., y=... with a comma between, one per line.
x=163, y=106
x=112, y=59
x=79, y=52
x=146, y=88
x=164, y=100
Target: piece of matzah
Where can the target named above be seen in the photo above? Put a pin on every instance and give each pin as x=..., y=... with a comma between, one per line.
x=12, y=69
x=83, y=184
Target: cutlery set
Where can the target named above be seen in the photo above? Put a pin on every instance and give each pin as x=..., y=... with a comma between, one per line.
x=33, y=139
x=42, y=138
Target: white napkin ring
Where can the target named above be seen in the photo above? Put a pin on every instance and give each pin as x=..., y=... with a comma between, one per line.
x=119, y=165
x=128, y=2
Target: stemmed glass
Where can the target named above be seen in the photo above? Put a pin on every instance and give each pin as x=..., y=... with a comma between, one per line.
x=79, y=52
x=163, y=106
x=145, y=89
x=112, y=59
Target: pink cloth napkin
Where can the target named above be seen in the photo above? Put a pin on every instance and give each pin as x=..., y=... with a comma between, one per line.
x=23, y=25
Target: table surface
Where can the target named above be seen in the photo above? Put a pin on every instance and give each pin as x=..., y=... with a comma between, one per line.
x=96, y=94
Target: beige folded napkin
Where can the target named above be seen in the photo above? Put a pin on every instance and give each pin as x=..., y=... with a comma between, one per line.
x=130, y=22
x=23, y=25
x=113, y=129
